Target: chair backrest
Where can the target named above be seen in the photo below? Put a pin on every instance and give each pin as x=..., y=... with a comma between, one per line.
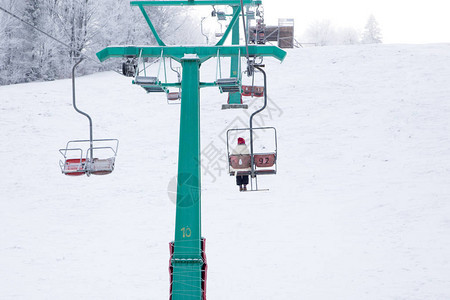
x=240, y=161
x=265, y=160
x=102, y=166
x=72, y=164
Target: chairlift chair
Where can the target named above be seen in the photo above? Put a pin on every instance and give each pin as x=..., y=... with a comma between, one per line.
x=259, y=162
x=252, y=91
x=129, y=68
x=264, y=162
x=76, y=164
x=151, y=84
x=221, y=16
x=219, y=34
x=257, y=34
x=231, y=84
x=174, y=97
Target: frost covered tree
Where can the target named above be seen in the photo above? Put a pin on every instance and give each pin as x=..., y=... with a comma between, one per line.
x=372, y=32
x=321, y=33
x=85, y=26
x=14, y=62
x=348, y=36
x=37, y=51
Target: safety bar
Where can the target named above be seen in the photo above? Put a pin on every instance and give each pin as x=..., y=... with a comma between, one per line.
x=113, y=148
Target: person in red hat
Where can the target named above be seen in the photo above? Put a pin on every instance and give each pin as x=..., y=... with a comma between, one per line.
x=241, y=149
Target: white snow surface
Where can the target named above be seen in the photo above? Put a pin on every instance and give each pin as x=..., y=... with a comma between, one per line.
x=359, y=209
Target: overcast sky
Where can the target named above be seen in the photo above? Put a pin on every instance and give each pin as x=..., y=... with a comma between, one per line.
x=401, y=21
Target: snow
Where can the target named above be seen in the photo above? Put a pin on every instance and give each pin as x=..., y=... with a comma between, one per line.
x=359, y=208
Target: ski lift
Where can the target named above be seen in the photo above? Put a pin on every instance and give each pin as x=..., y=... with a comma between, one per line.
x=172, y=96
x=221, y=16
x=129, y=67
x=219, y=34
x=263, y=152
x=252, y=91
x=151, y=84
x=76, y=163
x=231, y=84
x=262, y=160
x=250, y=15
x=257, y=34
x=175, y=97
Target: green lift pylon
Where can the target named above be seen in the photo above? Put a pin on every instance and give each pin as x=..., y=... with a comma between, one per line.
x=235, y=99
x=187, y=257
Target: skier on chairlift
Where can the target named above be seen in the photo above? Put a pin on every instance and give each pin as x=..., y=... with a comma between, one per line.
x=241, y=149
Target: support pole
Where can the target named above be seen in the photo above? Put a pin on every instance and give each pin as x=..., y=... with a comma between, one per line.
x=187, y=258
x=235, y=99
x=91, y=138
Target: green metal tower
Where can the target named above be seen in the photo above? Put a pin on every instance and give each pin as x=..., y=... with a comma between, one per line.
x=234, y=99
x=188, y=269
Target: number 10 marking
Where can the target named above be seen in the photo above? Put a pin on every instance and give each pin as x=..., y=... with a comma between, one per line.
x=186, y=232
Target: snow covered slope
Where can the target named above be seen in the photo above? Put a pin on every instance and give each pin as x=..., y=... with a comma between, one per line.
x=360, y=208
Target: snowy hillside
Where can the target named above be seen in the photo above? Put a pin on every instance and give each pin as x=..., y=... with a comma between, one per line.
x=359, y=209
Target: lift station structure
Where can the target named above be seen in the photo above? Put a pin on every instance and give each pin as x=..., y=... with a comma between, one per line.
x=187, y=258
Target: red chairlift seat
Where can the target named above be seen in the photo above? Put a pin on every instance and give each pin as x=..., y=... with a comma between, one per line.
x=252, y=91
x=264, y=160
x=74, y=166
x=240, y=161
x=264, y=163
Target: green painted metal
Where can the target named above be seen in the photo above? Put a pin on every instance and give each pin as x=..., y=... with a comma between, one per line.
x=193, y=3
x=232, y=25
x=178, y=84
x=235, y=98
x=152, y=28
x=187, y=261
x=177, y=52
